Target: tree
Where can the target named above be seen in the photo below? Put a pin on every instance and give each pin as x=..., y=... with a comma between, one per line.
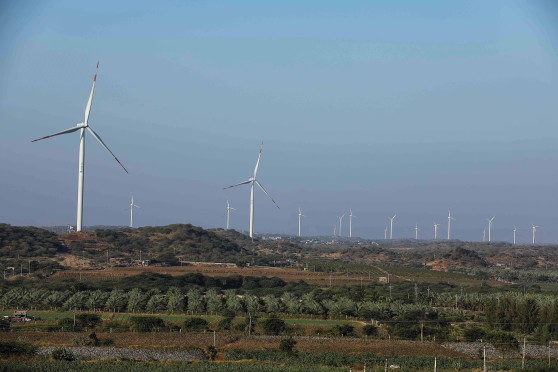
x=195, y=302
x=175, y=300
x=273, y=326
x=272, y=304
x=116, y=301
x=213, y=300
x=136, y=300
x=291, y=302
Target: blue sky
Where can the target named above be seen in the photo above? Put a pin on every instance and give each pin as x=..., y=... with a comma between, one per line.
x=383, y=107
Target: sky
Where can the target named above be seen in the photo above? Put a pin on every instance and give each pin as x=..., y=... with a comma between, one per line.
x=382, y=107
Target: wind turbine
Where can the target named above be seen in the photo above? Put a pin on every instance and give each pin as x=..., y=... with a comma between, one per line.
x=82, y=127
x=340, y=222
x=436, y=230
x=391, y=226
x=351, y=215
x=229, y=209
x=534, y=232
x=449, y=224
x=514, y=230
x=252, y=181
x=132, y=206
x=416, y=231
x=385, y=233
x=300, y=215
x=484, y=235
x=490, y=226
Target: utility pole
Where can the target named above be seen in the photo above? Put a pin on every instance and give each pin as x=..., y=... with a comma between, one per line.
x=523, y=356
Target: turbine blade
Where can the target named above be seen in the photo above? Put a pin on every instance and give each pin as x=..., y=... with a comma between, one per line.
x=69, y=130
x=90, y=101
x=238, y=184
x=258, y=162
x=261, y=187
x=105, y=146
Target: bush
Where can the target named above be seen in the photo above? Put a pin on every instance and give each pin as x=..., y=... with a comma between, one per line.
x=196, y=325
x=5, y=325
x=15, y=347
x=287, y=344
x=370, y=330
x=225, y=324
x=63, y=354
x=503, y=340
x=345, y=330
x=274, y=326
x=88, y=320
x=147, y=323
x=212, y=351
x=68, y=324
x=473, y=334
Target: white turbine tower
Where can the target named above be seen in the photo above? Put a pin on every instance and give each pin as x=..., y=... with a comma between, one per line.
x=416, y=231
x=534, y=232
x=391, y=226
x=82, y=127
x=449, y=224
x=385, y=233
x=514, y=230
x=436, y=230
x=484, y=235
x=351, y=215
x=229, y=209
x=300, y=215
x=252, y=181
x=132, y=206
x=490, y=227
x=340, y=222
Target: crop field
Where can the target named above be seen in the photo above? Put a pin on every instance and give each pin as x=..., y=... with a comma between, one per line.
x=321, y=279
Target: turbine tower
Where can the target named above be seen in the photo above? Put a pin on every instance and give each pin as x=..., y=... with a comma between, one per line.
x=534, y=232
x=416, y=231
x=385, y=233
x=514, y=230
x=490, y=227
x=300, y=215
x=132, y=206
x=253, y=180
x=436, y=230
x=449, y=224
x=484, y=235
x=81, y=161
x=229, y=209
x=391, y=226
x=351, y=215
x=340, y=222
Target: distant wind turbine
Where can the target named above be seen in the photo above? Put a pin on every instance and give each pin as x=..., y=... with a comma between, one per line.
x=132, y=206
x=449, y=224
x=253, y=180
x=229, y=209
x=300, y=215
x=490, y=227
x=340, y=223
x=416, y=231
x=484, y=235
x=514, y=230
x=534, y=232
x=385, y=233
x=351, y=215
x=391, y=226
x=82, y=127
x=436, y=230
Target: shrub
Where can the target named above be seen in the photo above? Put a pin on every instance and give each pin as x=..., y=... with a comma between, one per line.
x=287, y=344
x=273, y=326
x=212, y=351
x=15, y=347
x=345, y=330
x=5, y=325
x=68, y=324
x=225, y=324
x=503, y=340
x=370, y=330
x=473, y=334
x=146, y=323
x=88, y=320
x=63, y=354
x=196, y=325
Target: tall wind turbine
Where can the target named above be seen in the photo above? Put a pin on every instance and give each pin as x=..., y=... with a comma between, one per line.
x=391, y=226
x=229, y=209
x=132, y=206
x=490, y=226
x=351, y=215
x=253, y=180
x=534, y=232
x=82, y=127
x=340, y=222
x=514, y=230
x=484, y=235
x=449, y=224
x=416, y=231
x=436, y=230
x=300, y=215
x=385, y=233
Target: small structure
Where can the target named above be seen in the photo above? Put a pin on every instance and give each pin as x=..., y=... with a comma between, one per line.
x=19, y=316
x=383, y=279
x=145, y=262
